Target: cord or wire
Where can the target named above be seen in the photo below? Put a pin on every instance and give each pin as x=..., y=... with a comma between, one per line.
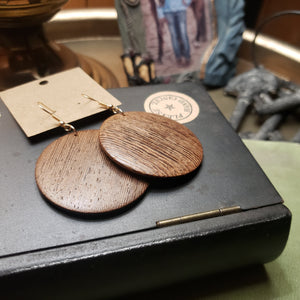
x=263, y=23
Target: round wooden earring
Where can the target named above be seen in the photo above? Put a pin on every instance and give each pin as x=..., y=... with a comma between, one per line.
x=150, y=145
x=75, y=174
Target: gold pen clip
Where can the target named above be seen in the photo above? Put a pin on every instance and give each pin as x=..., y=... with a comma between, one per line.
x=199, y=216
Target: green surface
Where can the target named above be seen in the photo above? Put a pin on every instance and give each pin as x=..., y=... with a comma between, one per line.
x=281, y=163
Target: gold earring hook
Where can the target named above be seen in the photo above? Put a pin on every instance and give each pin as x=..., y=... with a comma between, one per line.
x=111, y=107
x=67, y=127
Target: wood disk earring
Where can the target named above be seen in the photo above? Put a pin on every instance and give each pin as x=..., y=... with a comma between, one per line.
x=150, y=145
x=73, y=173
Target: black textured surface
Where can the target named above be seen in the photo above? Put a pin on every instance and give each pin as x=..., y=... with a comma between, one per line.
x=35, y=235
x=145, y=260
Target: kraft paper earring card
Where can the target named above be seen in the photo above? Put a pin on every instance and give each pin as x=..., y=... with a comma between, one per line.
x=63, y=91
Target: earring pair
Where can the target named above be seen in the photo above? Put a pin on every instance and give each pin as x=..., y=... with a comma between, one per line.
x=135, y=145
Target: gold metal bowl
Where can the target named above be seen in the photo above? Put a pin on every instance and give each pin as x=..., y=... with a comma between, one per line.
x=17, y=13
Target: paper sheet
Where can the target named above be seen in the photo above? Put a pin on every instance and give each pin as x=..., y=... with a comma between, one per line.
x=62, y=92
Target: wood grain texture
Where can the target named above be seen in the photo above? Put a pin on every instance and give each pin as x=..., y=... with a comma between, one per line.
x=150, y=145
x=74, y=173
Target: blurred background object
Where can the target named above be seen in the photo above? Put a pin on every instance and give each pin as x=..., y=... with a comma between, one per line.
x=89, y=29
x=26, y=53
x=271, y=99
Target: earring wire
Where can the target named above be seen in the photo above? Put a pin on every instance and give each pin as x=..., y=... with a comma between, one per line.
x=67, y=127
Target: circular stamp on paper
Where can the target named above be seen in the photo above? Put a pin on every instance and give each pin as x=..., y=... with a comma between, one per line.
x=176, y=106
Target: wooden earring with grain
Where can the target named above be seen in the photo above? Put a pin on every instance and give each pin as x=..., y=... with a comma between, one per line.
x=75, y=174
x=149, y=144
